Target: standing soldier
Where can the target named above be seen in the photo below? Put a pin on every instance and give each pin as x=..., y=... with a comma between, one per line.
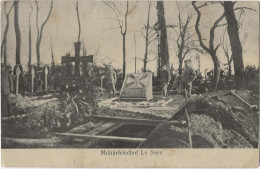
x=165, y=79
x=112, y=78
x=6, y=90
x=187, y=77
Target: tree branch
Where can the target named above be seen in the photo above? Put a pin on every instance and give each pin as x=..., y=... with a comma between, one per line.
x=46, y=20
x=197, y=27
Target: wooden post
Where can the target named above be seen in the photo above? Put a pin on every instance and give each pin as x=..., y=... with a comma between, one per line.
x=32, y=76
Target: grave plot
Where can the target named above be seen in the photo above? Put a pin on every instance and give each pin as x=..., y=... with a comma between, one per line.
x=111, y=132
x=208, y=127
x=156, y=108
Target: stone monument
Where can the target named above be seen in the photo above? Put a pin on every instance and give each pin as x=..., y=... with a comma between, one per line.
x=137, y=86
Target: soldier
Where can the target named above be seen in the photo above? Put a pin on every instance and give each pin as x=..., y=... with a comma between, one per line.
x=187, y=77
x=165, y=80
x=112, y=78
x=11, y=78
x=6, y=90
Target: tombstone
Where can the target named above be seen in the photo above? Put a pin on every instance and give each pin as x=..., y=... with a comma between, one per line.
x=18, y=73
x=46, y=72
x=33, y=73
x=137, y=86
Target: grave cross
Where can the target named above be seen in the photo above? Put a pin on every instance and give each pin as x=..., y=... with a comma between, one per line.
x=77, y=59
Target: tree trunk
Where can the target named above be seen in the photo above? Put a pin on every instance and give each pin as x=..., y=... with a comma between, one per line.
x=147, y=37
x=180, y=67
x=216, y=71
x=4, y=41
x=17, y=32
x=124, y=55
x=229, y=70
x=180, y=57
x=3, y=45
x=30, y=45
x=163, y=36
x=40, y=32
x=235, y=43
x=38, y=54
x=159, y=61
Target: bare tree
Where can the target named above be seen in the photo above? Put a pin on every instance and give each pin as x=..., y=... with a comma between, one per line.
x=236, y=47
x=225, y=44
x=4, y=41
x=77, y=9
x=17, y=31
x=149, y=37
x=40, y=31
x=210, y=49
x=121, y=18
x=185, y=41
x=30, y=39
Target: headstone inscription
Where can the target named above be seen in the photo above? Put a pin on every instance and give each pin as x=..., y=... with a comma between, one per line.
x=137, y=86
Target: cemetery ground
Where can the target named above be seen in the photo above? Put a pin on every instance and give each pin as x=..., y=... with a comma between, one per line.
x=222, y=119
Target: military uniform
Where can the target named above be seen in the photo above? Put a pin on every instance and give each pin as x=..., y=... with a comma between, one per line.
x=6, y=90
x=186, y=80
x=112, y=78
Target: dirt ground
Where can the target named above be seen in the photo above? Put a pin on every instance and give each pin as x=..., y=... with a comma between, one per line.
x=217, y=120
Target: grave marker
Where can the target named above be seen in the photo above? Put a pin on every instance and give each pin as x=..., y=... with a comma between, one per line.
x=46, y=72
x=77, y=59
x=17, y=72
x=33, y=73
x=137, y=86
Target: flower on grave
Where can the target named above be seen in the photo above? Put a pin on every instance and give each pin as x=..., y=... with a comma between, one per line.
x=80, y=91
x=73, y=85
x=67, y=86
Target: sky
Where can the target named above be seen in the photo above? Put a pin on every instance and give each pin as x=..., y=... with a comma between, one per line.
x=102, y=39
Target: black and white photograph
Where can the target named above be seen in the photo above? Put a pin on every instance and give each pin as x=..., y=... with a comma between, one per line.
x=79, y=74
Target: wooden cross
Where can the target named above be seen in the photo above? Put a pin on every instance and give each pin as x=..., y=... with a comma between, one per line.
x=33, y=72
x=18, y=72
x=77, y=60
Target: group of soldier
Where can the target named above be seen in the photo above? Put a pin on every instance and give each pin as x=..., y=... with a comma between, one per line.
x=183, y=82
